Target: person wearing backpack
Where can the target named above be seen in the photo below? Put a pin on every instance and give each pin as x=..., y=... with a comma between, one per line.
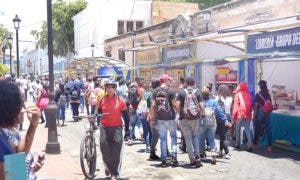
x=242, y=114
x=133, y=99
x=74, y=96
x=262, y=110
x=208, y=124
x=163, y=110
x=61, y=101
x=189, y=101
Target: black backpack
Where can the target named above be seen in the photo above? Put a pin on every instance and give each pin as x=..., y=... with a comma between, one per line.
x=163, y=104
x=74, y=95
x=133, y=97
x=62, y=100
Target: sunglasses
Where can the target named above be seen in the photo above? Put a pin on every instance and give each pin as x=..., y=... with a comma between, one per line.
x=110, y=86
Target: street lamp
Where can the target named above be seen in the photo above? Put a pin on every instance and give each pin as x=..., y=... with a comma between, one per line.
x=52, y=145
x=206, y=17
x=10, y=41
x=17, y=21
x=92, y=48
x=133, y=36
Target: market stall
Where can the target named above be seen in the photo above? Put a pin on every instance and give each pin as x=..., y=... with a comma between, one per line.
x=285, y=129
x=219, y=63
x=278, y=60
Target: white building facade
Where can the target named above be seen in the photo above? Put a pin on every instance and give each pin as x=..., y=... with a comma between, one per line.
x=35, y=62
x=103, y=19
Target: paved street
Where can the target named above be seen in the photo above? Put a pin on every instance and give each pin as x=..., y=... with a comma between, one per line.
x=242, y=165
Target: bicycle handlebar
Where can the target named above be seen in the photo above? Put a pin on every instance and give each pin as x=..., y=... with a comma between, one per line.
x=91, y=116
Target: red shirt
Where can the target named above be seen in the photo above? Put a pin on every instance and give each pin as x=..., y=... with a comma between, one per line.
x=114, y=107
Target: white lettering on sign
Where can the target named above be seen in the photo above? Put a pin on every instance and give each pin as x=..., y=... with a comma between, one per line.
x=296, y=38
x=278, y=41
x=265, y=43
x=284, y=40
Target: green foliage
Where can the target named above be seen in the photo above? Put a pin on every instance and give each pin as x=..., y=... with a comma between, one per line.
x=202, y=3
x=3, y=69
x=62, y=25
x=4, y=32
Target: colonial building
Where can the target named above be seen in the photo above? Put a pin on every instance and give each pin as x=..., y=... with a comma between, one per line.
x=194, y=45
x=104, y=19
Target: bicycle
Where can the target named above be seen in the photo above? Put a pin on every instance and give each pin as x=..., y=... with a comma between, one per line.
x=88, y=151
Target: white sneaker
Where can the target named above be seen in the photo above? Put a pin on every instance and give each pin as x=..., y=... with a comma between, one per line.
x=130, y=142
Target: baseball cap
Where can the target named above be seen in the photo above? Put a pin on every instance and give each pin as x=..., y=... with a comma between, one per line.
x=165, y=77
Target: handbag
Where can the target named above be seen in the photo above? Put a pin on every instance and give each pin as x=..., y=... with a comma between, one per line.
x=43, y=103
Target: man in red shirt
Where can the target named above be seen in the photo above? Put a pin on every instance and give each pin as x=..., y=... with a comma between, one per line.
x=111, y=131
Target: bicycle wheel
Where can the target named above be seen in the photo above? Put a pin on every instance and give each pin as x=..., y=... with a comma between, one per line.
x=88, y=156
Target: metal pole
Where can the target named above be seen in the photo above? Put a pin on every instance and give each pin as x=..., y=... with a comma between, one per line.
x=133, y=63
x=4, y=54
x=10, y=61
x=34, y=68
x=52, y=145
x=17, y=45
x=206, y=27
x=40, y=67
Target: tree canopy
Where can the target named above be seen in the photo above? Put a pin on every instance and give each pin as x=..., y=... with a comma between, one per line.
x=3, y=31
x=4, y=42
x=63, y=27
x=202, y=3
x=3, y=69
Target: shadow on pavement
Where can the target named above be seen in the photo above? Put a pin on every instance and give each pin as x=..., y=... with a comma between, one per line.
x=143, y=151
x=107, y=178
x=277, y=153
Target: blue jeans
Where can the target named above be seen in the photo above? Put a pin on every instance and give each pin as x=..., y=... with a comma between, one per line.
x=61, y=112
x=81, y=103
x=74, y=107
x=246, y=124
x=147, y=134
x=163, y=127
x=190, y=130
x=68, y=101
x=132, y=123
x=207, y=132
x=262, y=118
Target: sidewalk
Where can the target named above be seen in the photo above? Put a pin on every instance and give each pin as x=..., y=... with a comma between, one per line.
x=57, y=166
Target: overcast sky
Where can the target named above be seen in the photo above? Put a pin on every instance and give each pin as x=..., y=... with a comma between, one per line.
x=31, y=13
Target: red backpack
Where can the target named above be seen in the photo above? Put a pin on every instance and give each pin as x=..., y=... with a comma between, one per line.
x=268, y=106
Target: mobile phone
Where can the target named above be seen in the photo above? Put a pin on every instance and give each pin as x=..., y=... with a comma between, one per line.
x=41, y=158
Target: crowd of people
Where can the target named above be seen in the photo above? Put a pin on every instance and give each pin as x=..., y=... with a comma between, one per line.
x=196, y=113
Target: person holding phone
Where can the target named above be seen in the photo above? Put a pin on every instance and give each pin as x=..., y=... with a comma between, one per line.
x=11, y=104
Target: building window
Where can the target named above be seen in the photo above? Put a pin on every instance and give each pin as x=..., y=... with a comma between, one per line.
x=121, y=55
x=120, y=27
x=108, y=53
x=129, y=26
x=139, y=25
